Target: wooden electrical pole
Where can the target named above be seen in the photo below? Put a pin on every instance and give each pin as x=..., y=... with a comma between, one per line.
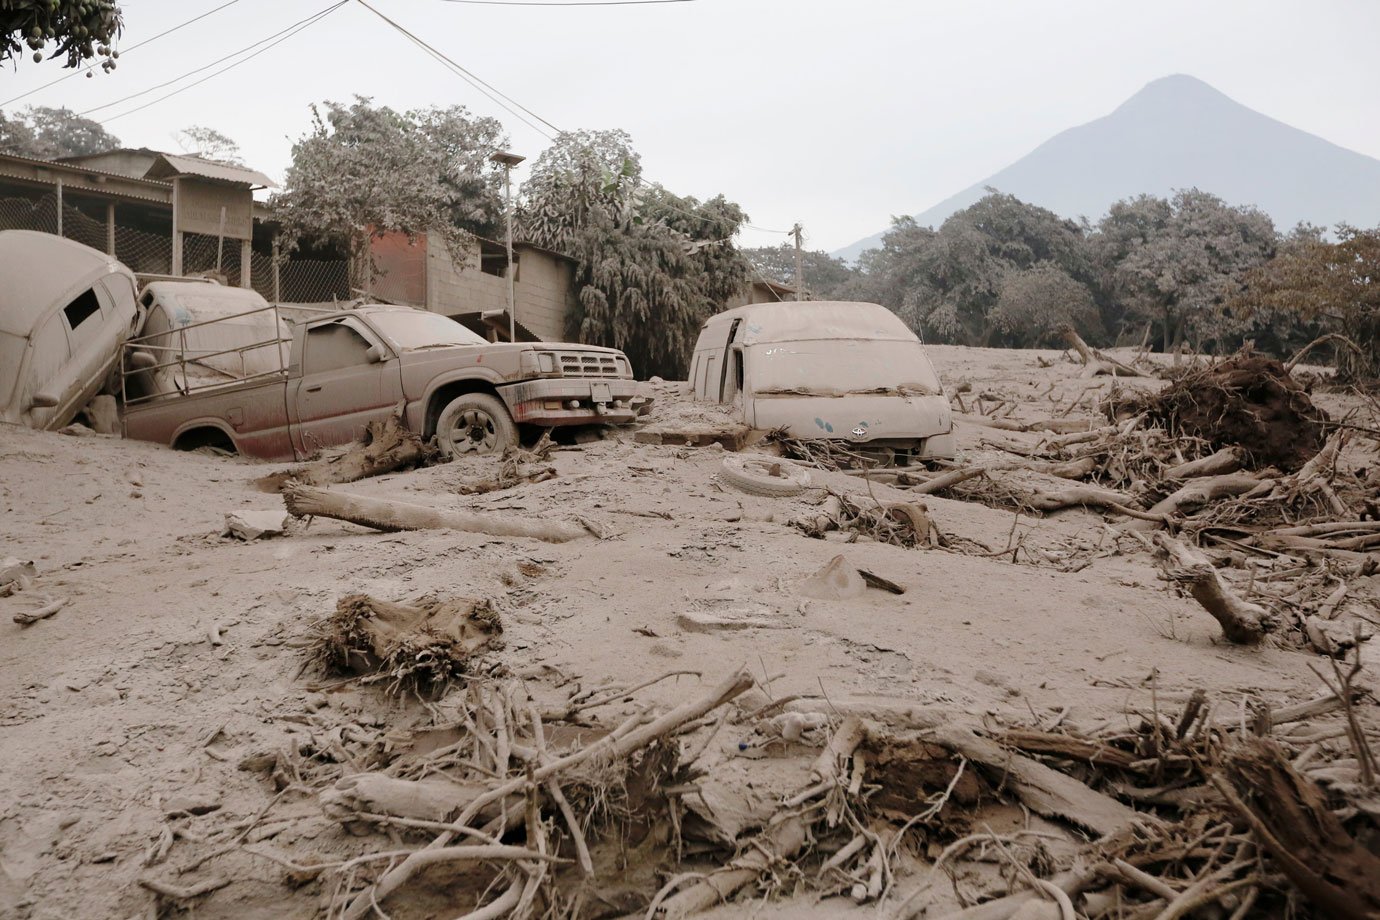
x=799, y=263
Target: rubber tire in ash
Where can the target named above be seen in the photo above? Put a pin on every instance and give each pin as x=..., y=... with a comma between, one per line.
x=475, y=424
x=753, y=475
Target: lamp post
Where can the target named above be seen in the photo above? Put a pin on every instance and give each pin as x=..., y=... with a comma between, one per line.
x=508, y=161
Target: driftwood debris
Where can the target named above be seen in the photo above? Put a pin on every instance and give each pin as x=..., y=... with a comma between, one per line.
x=1242, y=622
x=386, y=446
x=386, y=515
x=1095, y=363
x=412, y=646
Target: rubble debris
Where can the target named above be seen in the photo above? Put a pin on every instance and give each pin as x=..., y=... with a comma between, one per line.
x=388, y=516
x=255, y=525
x=1095, y=363
x=1247, y=401
x=767, y=476
x=422, y=646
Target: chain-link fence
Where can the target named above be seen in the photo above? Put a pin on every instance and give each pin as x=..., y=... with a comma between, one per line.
x=298, y=280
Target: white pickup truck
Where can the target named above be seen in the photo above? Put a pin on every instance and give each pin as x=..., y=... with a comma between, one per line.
x=246, y=380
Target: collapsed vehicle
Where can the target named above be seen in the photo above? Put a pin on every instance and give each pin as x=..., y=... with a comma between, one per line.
x=833, y=370
x=65, y=309
x=220, y=367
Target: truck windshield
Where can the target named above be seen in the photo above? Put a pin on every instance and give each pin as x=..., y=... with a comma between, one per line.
x=838, y=367
x=414, y=330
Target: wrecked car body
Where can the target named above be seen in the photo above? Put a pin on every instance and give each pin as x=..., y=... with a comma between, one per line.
x=833, y=370
x=65, y=309
x=278, y=392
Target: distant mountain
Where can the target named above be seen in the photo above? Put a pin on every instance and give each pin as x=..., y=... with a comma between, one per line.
x=1178, y=132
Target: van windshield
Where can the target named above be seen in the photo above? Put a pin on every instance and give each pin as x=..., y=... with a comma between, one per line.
x=841, y=367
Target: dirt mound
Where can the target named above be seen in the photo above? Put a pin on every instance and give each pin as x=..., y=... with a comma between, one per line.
x=1247, y=401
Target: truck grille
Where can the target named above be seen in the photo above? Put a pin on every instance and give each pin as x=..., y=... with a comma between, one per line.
x=588, y=364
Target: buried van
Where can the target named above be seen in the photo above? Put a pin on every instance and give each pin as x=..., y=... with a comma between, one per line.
x=833, y=370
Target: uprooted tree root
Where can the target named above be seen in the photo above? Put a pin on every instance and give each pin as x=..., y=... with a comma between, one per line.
x=422, y=646
x=1247, y=401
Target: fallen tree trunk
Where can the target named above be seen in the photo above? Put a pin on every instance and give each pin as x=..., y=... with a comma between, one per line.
x=1200, y=492
x=1242, y=622
x=1055, y=425
x=383, y=514
x=1292, y=820
x=783, y=840
x=1090, y=497
x=386, y=446
x=1095, y=363
x=1226, y=460
x=1072, y=469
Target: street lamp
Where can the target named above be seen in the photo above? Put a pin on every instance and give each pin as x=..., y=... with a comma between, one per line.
x=508, y=161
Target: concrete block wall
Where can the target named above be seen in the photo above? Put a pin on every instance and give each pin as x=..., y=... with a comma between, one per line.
x=542, y=291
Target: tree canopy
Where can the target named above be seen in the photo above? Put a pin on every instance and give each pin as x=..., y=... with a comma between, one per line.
x=209, y=144
x=76, y=30
x=651, y=265
x=49, y=133
x=364, y=169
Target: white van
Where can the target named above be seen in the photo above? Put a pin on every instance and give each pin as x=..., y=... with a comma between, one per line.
x=851, y=372
x=65, y=310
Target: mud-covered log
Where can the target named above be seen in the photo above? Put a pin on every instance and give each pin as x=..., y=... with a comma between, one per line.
x=1226, y=460
x=386, y=515
x=1242, y=622
x=1292, y=820
x=1095, y=363
x=1199, y=492
x=386, y=446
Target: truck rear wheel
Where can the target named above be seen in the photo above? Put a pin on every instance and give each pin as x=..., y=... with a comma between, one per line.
x=475, y=423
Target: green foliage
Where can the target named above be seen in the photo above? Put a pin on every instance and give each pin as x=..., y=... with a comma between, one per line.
x=1175, y=263
x=48, y=133
x=651, y=265
x=1336, y=285
x=364, y=169
x=77, y=30
x=824, y=275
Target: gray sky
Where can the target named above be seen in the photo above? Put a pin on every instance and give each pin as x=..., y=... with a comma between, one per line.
x=836, y=114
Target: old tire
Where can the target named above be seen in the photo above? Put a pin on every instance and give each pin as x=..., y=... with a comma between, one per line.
x=473, y=425
x=755, y=476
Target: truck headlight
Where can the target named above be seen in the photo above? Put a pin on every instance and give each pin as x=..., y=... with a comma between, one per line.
x=624, y=368
x=546, y=362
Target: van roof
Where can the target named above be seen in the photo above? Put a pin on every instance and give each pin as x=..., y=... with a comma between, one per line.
x=42, y=272
x=792, y=321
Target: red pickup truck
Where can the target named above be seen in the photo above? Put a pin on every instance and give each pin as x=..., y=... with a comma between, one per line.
x=319, y=382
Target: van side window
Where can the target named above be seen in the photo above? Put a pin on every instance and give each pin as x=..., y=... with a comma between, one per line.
x=333, y=346
x=83, y=308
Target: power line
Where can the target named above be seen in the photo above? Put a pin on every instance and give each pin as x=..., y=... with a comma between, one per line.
x=157, y=86
x=133, y=47
x=488, y=89
x=290, y=32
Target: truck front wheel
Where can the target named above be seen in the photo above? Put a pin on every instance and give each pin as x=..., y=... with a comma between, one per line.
x=475, y=423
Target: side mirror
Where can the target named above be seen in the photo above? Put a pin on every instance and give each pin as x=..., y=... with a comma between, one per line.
x=143, y=360
x=44, y=400
x=375, y=354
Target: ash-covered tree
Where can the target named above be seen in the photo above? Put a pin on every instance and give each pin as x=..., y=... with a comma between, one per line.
x=209, y=144
x=72, y=30
x=949, y=282
x=1175, y=263
x=364, y=170
x=49, y=133
x=1335, y=286
x=1033, y=304
x=651, y=266
x=824, y=275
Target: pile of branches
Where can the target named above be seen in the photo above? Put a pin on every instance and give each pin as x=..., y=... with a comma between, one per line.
x=518, y=465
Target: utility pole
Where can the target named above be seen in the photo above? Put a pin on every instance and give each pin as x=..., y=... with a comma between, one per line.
x=799, y=264
x=508, y=161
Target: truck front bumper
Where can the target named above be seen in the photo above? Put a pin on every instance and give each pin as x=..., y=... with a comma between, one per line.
x=560, y=401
